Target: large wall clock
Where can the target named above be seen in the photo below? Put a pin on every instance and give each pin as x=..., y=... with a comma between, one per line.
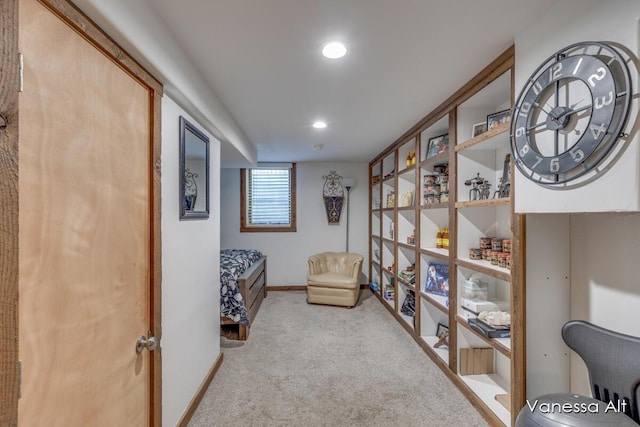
x=571, y=113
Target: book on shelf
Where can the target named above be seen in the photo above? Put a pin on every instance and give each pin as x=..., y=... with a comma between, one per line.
x=489, y=331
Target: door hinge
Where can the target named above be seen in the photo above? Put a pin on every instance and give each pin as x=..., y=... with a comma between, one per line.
x=21, y=71
x=19, y=379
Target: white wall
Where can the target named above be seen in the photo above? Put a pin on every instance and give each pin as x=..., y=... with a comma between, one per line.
x=596, y=253
x=288, y=252
x=190, y=277
x=605, y=280
x=139, y=30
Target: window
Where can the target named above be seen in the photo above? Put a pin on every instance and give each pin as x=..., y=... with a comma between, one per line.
x=268, y=199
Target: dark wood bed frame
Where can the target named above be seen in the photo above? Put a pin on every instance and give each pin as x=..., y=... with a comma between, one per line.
x=253, y=288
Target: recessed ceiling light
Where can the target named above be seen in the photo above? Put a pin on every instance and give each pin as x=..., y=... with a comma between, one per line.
x=334, y=50
x=319, y=125
x=318, y=147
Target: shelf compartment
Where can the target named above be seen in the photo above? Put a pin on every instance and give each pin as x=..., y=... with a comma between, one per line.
x=401, y=295
x=438, y=159
x=406, y=245
x=389, y=166
x=406, y=149
x=498, y=344
x=437, y=301
x=440, y=127
x=503, y=201
x=406, y=229
x=430, y=222
x=487, y=387
x=406, y=173
x=375, y=197
x=485, y=267
x=439, y=253
x=406, y=284
x=441, y=352
x=435, y=206
x=485, y=164
x=407, y=319
x=489, y=137
x=406, y=197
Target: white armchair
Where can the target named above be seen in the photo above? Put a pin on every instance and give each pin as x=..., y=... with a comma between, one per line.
x=334, y=278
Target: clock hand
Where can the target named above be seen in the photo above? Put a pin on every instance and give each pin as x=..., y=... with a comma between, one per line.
x=536, y=126
x=548, y=112
x=572, y=111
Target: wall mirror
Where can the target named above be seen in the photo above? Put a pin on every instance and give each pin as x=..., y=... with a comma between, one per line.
x=194, y=172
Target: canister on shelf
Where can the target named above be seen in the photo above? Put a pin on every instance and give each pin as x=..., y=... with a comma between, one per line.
x=475, y=253
x=502, y=259
x=495, y=258
x=444, y=197
x=430, y=179
x=432, y=189
x=506, y=245
x=430, y=199
x=486, y=254
x=485, y=242
x=496, y=244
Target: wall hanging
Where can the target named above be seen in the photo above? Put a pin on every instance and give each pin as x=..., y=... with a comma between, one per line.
x=333, y=196
x=194, y=172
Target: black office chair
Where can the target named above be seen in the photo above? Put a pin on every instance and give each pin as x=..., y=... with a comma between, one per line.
x=613, y=361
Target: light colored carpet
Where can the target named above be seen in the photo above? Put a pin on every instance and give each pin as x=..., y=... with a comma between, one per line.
x=311, y=365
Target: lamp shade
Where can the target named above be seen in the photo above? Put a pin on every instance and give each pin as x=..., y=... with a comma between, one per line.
x=348, y=183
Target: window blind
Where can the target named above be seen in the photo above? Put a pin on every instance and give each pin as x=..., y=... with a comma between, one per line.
x=269, y=196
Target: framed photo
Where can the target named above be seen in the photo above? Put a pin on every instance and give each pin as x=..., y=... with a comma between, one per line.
x=479, y=129
x=499, y=118
x=438, y=145
x=441, y=330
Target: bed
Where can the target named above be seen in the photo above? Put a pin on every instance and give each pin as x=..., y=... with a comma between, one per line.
x=243, y=286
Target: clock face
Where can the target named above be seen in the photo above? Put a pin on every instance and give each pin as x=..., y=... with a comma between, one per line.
x=570, y=113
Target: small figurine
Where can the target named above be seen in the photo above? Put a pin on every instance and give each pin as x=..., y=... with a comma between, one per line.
x=504, y=188
x=485, y=190
x=476, y=191
x=443, y=340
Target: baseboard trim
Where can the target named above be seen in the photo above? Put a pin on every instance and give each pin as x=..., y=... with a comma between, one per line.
x=301, y=288
x=193, y=405
x=286, y=288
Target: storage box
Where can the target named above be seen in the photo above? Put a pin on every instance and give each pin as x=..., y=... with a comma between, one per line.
x=475, y=361
x=478, y=305
x=475, y=289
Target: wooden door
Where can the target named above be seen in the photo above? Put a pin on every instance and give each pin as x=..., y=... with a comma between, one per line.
x=86, y=231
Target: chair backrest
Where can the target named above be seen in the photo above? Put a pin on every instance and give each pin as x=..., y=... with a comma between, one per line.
x=613, y=361
x=336, y=262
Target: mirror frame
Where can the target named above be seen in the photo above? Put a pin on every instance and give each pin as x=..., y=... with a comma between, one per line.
x=186, y=126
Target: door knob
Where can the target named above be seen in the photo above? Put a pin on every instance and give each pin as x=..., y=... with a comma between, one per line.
x=149, y=343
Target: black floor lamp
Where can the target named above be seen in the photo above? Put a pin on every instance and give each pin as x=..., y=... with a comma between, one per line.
x=348, y=183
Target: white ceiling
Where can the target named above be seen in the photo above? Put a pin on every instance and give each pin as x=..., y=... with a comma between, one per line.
x=262, y=58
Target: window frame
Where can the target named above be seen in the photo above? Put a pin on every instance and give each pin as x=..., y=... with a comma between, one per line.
x=247, y=228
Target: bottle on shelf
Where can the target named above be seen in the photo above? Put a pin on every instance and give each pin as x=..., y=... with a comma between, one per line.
x=445, y=238
x=439, y=238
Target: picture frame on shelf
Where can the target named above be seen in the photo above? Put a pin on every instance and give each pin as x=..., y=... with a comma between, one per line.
x=479, y=129
x=437, y=281
x=442, y=330
x=499, y=118
x=437, y=145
